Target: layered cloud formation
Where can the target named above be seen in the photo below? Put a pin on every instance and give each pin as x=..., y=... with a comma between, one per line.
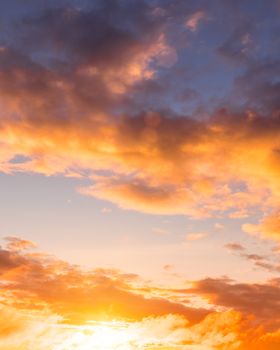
x=162, y=107
x=56, y=303
x=74, y=101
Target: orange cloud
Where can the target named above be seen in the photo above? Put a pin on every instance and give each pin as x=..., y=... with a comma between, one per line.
x=45, y=332
x=225, y=330
x=268, y=228
x=258, y=299
x=79, y=118
x=78, y=295
x=77, y=309
x=16, y=243
x=191, y=176
x=196, y=236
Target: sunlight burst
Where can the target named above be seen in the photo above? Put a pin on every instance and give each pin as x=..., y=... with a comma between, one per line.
x=103, y=336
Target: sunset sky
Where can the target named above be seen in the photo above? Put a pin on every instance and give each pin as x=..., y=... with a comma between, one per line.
x=140, y=174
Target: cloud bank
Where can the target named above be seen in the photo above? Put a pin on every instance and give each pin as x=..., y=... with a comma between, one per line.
x=71, y=104
x=47, y=303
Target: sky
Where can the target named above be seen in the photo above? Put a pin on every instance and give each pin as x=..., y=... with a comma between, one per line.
x=139, y=174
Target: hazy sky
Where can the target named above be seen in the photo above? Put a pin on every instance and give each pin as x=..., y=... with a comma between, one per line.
x=139, y=144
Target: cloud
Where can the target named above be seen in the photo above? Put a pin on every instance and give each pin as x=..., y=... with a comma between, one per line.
x=78, y=295
x=164, y=332
x=196, y=236
x=234, y=246
x=16, y=243
x=258, y=299
x=168, y=267
x=77, y=308
x=265, y=262
x=268, y=228
x=240, y=45
x=194, y=20
x=258, y=89
x=75, y=113
x=217, y=331
x=77, y=88
x=148, y=176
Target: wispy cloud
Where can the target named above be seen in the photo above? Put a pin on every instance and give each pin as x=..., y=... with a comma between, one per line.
x=196, y=236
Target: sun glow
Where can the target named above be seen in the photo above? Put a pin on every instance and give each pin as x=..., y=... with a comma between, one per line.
x=120, y=336
x=100, y=335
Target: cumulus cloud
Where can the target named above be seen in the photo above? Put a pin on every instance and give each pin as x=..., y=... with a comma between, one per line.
x=75, y=112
